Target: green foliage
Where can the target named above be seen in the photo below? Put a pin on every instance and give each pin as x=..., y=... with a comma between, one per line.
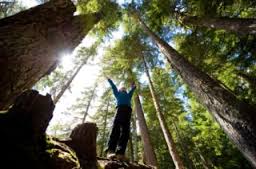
x=60, y=130
x=124, y=58
x=221, y=55
x=214, y=8
x=227, y=57
x=158, y=13
x=208, y=137
x=82, y=104
x=110, y=15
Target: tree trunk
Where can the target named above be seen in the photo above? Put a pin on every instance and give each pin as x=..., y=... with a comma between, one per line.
x=236, y=117
x=167, y=135
x=32, y=41
x=130, y=144
x=150, y=156
x=84, y=144
x=239, y=25
x=27, y=121
x=104, y=129
x=89, y=103
x=33, y=111
x=135, y=137
x=131, y=147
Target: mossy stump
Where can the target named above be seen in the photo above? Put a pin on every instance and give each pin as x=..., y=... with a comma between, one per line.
x=83, y=142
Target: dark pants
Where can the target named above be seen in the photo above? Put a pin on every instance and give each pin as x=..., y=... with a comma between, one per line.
x=119, y=135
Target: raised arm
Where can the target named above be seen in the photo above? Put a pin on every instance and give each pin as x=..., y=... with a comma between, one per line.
x=132, y=90
x=113, y=86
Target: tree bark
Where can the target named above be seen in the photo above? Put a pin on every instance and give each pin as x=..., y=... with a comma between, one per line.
x=239, y=25
x=84, y=144
x=236, y=117
x=104, y=129
x=150, y=156
x=135, y=137
x=131, y=148
x=32, y=41
x=167, y=135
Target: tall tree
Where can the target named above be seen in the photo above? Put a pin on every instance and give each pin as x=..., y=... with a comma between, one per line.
x=149, y=153
x=168, y=137
x=92, y=95
x=235, y=116
x=83, y=104
x=210, y=145
x=221, y=55
x=228, y=15
x=239, y=25
x=198, y=134
x=134, y=137
x=131, y=149
x=217, y=52
x=104, y=128
x=47, y=31
x=225, y=15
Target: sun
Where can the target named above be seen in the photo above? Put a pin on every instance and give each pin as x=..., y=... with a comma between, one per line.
x=67, y=61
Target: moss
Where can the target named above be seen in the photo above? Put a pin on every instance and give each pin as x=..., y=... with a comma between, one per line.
x=98, y=166
x=61, y=156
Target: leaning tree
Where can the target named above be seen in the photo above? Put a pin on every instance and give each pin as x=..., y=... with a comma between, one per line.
x=32, y=42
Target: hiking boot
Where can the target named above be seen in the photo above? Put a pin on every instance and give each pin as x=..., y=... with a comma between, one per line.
x=121, y=157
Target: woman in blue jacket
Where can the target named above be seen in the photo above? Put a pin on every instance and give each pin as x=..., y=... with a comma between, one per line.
x=119, y=135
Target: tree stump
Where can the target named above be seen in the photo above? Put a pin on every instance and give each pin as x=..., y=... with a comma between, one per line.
x=34, y=110
x=22, y=129
x=62, y=156
x=84, y=144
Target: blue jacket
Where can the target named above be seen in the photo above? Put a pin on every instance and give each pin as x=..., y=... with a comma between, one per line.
x=122, y=98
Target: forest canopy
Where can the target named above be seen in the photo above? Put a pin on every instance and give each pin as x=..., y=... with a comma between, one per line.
x=193, y=62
